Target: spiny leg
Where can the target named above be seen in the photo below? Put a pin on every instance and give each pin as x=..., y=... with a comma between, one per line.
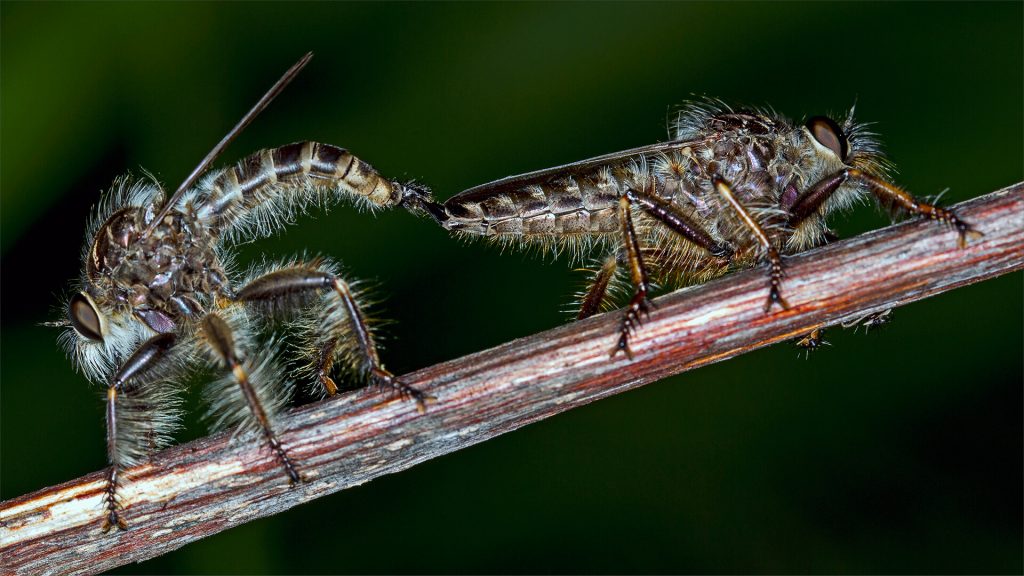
x=364, y=337
x=592, y=299
x=342, y=329
x=221, y=340
x=679, y=223
x=140, y=364
x=113, y=517
x=671, y=218
x=774, y=259
x=816, y=337
x=638, y=274
x=808, y=203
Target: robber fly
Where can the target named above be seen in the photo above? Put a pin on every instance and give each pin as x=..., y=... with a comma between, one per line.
x=158, y=294
x=732, y=189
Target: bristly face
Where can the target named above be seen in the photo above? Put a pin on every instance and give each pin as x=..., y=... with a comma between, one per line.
x=156, y=295
x=731, y=189
x=849, y=141
x=794, y=156
x=100, y=329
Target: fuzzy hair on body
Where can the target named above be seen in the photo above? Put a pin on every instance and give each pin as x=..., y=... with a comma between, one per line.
x=159, y=297
x=731, y=189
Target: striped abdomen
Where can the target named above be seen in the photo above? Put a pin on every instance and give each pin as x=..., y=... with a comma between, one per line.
x=290, y=177
x=581, y=204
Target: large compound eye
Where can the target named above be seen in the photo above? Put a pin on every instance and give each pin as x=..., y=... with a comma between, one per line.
x=828, y=134
x=84, y=317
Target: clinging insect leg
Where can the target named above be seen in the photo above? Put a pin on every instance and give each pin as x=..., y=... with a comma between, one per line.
x=339, y=331
x=811, y=200
x=668, y=216
x=638, y=274
x=591, y=302
x=772, y=254
x=221, y=341
x=368, y=356
x=679, y=223
x=141, y=364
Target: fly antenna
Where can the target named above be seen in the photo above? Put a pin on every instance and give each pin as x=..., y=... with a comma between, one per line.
x=263, y=102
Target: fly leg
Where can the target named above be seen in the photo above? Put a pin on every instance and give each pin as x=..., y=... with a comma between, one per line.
x=668, y=216
x=338, y=329
x=140, y=365
x=638, y=274
x=679, y=223
x=772, y=254
x=808, y=203
x=220, y=339
x=592, y=299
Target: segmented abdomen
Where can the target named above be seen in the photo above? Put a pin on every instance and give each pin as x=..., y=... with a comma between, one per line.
x=584, y=203
x=292, y=176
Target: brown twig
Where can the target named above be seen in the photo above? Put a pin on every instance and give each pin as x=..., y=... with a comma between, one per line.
x=198, y=489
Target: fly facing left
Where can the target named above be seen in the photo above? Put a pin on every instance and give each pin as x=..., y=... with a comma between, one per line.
x=159, y=294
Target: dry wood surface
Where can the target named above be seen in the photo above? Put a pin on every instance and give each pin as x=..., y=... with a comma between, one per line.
x=197, y=489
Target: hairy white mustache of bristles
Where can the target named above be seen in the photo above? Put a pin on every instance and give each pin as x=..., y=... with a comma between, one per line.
x=97, y=360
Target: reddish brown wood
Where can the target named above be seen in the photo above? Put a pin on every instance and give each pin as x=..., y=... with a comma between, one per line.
x=191, y=491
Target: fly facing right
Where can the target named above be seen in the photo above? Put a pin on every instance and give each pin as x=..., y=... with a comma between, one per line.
x=732, y=189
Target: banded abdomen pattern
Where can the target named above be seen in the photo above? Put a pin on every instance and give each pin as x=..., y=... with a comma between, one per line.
x=266, y=189
x=580, y=204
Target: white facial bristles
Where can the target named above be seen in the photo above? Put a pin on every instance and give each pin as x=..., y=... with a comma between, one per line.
x=97, y=360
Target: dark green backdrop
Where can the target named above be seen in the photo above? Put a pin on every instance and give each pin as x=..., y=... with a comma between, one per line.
x=895, y=451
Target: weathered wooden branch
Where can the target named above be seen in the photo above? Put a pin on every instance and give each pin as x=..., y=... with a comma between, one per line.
x=198, y=489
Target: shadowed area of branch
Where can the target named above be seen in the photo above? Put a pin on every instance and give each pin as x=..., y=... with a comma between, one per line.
x=201, y=488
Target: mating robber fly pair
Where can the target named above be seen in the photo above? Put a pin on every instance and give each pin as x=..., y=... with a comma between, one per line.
x=159, y=292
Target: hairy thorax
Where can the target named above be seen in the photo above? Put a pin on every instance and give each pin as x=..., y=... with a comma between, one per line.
x=173, y=271
x=764, y=167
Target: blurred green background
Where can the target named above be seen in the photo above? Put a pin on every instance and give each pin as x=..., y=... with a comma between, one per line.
x=899, y=451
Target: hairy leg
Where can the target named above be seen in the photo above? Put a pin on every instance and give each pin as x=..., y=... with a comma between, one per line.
x=142, y=364
x=771, y=253
x=338, y=329
x=220, y=339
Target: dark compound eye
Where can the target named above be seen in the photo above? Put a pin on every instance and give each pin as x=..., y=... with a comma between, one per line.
x=828, y=134
x=84, y=317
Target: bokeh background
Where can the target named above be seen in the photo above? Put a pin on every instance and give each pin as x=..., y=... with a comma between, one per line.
x=898, y=451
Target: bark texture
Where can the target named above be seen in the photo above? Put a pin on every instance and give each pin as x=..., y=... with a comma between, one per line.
x=193, y=490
